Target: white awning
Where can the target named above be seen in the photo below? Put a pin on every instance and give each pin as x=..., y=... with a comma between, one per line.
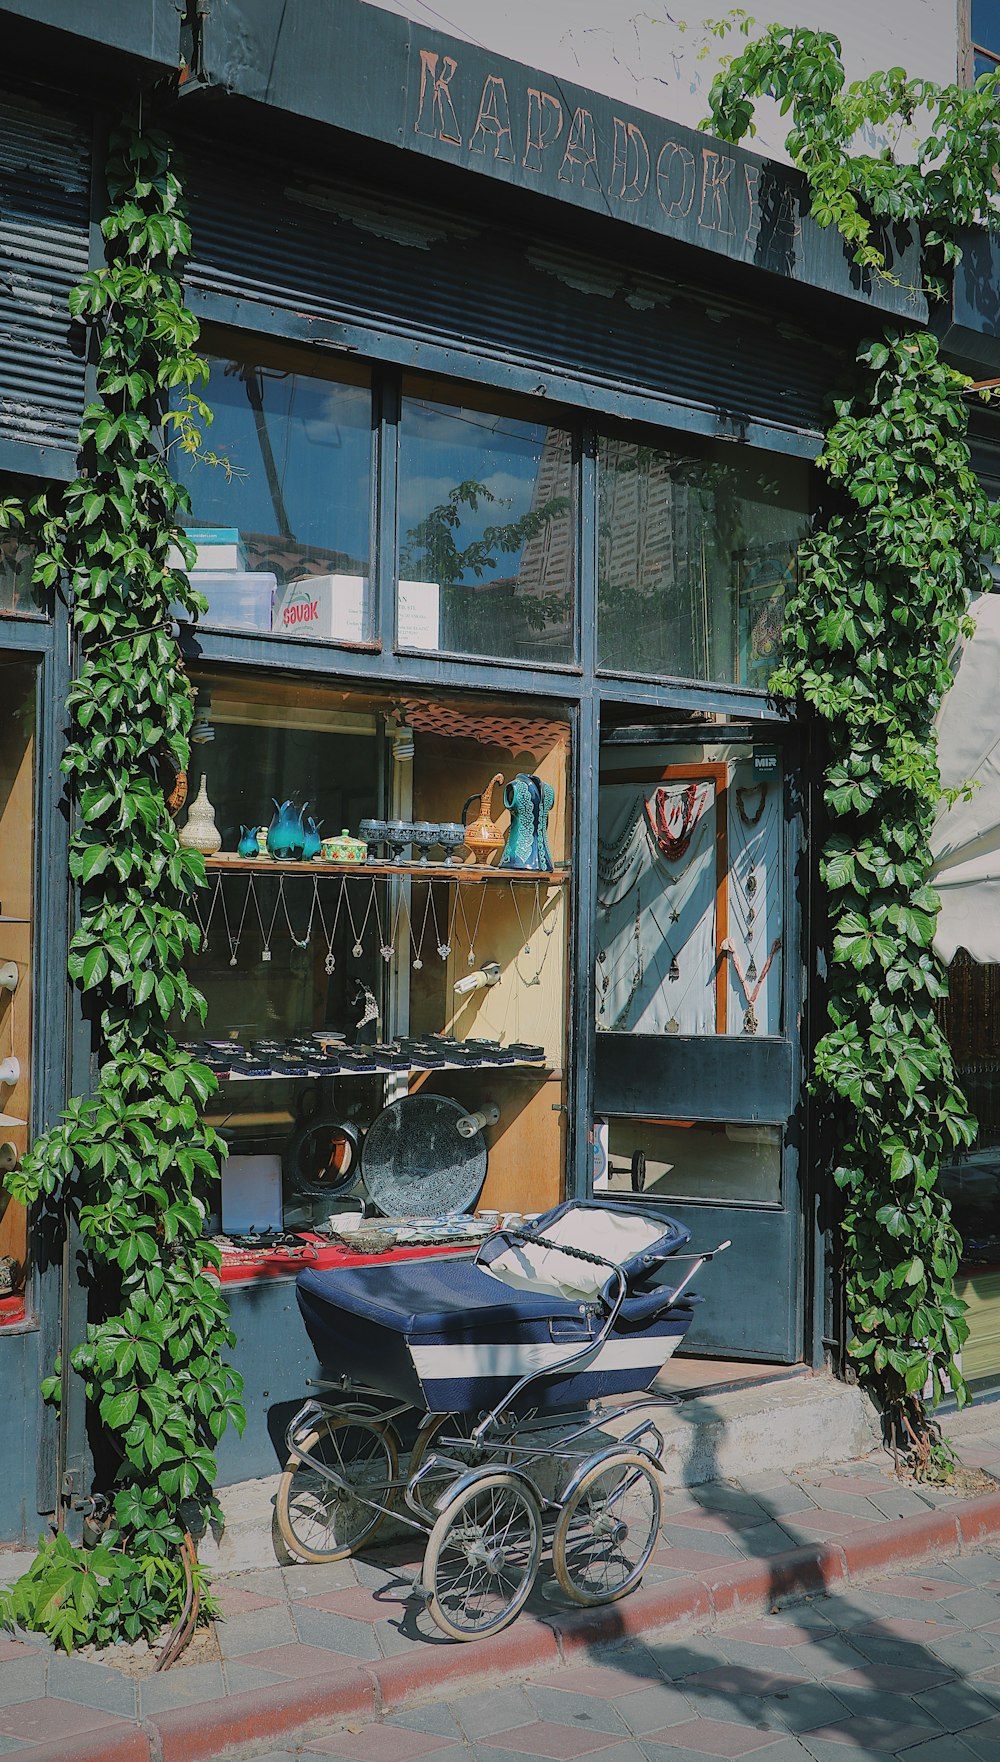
x=966, y=838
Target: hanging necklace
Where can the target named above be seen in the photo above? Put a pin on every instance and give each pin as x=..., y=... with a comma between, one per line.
x=299, y=941
x=673, y=971
x=605, y=980
x=758, y=789
x=751, y=993
x=613, y=857
x=267, y=934
x=330, y=935
x=234, y=941
x=358, y=948
x=387, y=942
x=205, y=923
x=662, y=815
x=472, y=939
x=443, y=947
x=418, y=945
x=536, y=922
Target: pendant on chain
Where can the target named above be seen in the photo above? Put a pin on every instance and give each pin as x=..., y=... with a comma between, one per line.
x=674, y=971
x=750, y=1022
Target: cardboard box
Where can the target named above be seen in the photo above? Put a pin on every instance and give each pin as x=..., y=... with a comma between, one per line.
x=326, y=608
x=219, y=548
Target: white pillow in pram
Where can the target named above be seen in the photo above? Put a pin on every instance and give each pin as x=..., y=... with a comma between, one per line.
x=613, y=1233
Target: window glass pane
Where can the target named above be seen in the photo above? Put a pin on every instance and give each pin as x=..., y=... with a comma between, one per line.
x=486, y=525
x=17, y=591
x=689, y=1159
x=17, y=893
x=463, y=963
x=695, y=557
x=281, y=498
x=689, y=931
x=986, y=27
x=983, y=64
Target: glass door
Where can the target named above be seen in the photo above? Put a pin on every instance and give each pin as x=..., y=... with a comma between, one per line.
x=696, y=1010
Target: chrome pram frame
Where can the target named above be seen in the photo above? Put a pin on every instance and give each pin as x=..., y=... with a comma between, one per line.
x=488, y=1490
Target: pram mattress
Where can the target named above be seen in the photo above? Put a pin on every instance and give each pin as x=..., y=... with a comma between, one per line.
x=449, y=1337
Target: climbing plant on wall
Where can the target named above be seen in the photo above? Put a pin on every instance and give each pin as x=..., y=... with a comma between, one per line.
x=869, y=637
x=132, y=1161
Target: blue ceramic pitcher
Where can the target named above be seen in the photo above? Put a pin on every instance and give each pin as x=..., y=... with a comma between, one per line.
x=313, y=842
x=286, y=835
x=529, y=802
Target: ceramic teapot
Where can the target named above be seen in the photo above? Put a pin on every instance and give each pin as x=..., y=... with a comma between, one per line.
x=483, y=837
x=530, y=802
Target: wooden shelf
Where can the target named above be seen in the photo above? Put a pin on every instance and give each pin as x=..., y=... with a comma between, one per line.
x=224, y=864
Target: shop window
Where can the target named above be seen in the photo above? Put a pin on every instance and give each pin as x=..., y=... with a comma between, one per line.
x=486, y=530
x=985, y=33
x=17, y=892
x=690, y=919
x=689, y=1159
x=405, y=961
x=696, y=554
x=281, y=495
x=970, y=1016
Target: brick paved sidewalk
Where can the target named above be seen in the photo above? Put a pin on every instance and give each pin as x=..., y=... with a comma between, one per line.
x=343, y=1641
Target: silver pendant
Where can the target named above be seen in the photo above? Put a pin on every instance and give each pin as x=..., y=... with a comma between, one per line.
x=266, y=954
x=418, y=963
x=444, y=950
x=751, y=884
x=673, y=1026
x=752, y=969
x=472, y=957
x=357, y=950
x=674, y=972
x=750, y=1023
x=232, y=963
x=386, y=951
x=329, y=963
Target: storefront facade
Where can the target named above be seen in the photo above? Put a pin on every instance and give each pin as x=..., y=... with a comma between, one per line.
x=516, y=395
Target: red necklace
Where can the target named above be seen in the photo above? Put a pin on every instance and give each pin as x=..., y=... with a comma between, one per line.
x=673, y=845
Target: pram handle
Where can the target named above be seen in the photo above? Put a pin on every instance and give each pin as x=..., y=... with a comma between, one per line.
x=560, y=1247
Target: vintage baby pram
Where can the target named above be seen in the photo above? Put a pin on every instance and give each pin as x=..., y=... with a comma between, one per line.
x=500, y=1357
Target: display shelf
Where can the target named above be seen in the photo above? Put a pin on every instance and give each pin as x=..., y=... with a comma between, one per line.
x=517, y=1068
x=226, y=864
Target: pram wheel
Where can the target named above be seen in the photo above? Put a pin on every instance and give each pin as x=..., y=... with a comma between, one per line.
x=607, y=1529
x=482, y=1556
x=428, y=1490
x=320, y=1521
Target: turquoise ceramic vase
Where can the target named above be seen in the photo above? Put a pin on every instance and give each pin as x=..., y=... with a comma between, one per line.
x=313, y=842
x=248, y=846
x=286, y=836
x=529, y=802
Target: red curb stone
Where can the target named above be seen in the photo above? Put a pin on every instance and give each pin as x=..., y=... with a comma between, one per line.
x=525, y=1646
x=648, y=1608
x=191, y=1734
x=978, y=1519
x=905, y=1538
x=769, y=1581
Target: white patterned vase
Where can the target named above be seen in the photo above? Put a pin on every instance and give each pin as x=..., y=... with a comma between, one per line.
x=200, y=831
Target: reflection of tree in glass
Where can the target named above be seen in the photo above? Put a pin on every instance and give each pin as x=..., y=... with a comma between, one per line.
x=431, y=552
x=671, y=530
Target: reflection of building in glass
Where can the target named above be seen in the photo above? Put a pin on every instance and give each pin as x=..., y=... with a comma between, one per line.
x=538, y=599
x=651, y=555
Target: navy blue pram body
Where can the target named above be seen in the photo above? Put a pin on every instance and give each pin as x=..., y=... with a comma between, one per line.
x=454, y=1336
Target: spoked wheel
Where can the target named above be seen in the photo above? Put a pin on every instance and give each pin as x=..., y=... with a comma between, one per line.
x=482, y=1556
x=431, y=1438
x=607, y=1529
x=319, y=1521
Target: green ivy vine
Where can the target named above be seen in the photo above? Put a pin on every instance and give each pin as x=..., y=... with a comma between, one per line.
x=869, y=639
x=133, y=1161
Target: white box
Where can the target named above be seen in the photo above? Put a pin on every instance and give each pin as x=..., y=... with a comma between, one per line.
x=328, y=608
x=251, y=1194
x=217, y=548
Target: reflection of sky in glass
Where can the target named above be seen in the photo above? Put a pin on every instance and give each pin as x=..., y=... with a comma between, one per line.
x=442, y=447
x=320, y=437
